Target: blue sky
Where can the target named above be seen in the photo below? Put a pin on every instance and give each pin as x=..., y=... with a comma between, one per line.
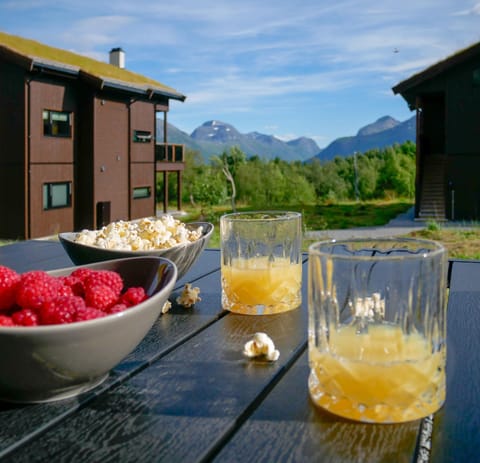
x=289, y=68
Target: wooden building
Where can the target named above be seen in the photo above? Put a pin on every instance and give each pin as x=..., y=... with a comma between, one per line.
x=446, y=98
x=78, y=146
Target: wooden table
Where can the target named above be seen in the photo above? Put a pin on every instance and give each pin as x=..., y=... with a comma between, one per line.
x=188, y=394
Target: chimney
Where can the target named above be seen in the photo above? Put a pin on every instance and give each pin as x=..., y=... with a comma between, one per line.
x=117, y=57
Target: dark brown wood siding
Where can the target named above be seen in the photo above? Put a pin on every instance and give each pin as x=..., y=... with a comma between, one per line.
x=142, y=159
x=142, y=118
x=13, y=123
x=142, y=175
x=50, y=158
x=84, y=205
x=51, y=221
x=55, y=97
x=110, y=166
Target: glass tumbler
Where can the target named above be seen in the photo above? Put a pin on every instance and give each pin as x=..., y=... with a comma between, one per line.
x=377, y=328
x=261, y=261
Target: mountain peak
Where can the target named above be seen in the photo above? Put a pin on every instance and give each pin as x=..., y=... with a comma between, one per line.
x=216, y=131
x=384, y=123
x=370, y=137
x=214, y=137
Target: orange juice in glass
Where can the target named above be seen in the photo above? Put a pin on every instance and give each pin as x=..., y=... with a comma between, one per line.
x=261, y=264
x=377, y=328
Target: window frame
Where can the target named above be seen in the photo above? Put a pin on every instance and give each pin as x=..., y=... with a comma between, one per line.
x=52, y=121
x=138, y=189
x=142, y=136
x=47, y=197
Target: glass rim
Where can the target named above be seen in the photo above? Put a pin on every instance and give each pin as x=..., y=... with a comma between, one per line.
x=435, y=248
x=263, y=216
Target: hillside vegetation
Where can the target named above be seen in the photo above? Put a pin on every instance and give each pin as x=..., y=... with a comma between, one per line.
x=234, y=179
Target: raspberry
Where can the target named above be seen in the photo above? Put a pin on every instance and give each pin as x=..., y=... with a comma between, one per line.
x=100, y=296
x=35, y=288
x=105, y=277
x=5, y=320
x=8, y=284
x=88, y=313
x=118, y=307
x=61, y=309
x=133, y=296
x=25, y=317
x=64, y=290
x=74, y=283
x=82, y=273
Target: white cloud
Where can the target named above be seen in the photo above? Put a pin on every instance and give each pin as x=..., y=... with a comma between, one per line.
x=474, y=10
x=231, y=58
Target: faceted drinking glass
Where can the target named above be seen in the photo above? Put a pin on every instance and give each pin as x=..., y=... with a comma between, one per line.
x=377, y=328
x=261, y=261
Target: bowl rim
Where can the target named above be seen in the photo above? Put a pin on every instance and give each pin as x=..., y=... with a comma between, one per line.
x=130, y=312
x=68, y=238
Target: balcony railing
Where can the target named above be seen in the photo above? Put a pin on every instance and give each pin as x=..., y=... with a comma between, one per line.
x=169, y=152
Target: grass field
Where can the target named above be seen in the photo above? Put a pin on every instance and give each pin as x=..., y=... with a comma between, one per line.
x=461, y=242
x=319, y=217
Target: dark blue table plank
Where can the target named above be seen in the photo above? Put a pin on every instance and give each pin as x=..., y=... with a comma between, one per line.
x=456, y=436
x=287, y=426
x=21, y=422
x=184, y=405
x=34, y=255
x=186, y=393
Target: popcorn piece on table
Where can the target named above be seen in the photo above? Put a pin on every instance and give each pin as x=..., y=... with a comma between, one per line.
x=189, y=296
x=167, y=306
x=261, y=345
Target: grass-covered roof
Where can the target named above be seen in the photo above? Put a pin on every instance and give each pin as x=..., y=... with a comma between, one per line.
x=36, y=54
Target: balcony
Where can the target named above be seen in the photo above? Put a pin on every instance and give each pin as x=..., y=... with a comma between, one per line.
x=169, y=157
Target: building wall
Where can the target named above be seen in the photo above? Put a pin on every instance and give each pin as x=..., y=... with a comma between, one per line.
x=12, y=152
x=50, y=158
x=52, y=221
x=100, y=159
x=84, y=204
x=463, y=142
x=142, y=159
x=463, y=110
x=110, y=157
x=457, y=128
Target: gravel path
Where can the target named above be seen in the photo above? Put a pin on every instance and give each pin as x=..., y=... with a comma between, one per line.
x=401, y=225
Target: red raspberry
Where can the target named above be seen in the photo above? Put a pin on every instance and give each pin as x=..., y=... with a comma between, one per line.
x=74, y=283
x=5, y=320
x=82, y=273
x=119, y=307
x=88, y=313
x=64, y=290
x=133, y=296
x=100, y=296
x=105, y=277
x=61, y=309
x=25, y=317
x=35, y=288
x=8, y=284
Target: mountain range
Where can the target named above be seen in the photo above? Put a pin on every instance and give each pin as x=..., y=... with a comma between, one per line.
x=214, y=137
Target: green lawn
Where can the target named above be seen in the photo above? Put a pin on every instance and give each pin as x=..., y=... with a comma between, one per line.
x=319, y=216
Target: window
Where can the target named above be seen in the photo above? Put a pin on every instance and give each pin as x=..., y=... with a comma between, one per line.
x=56, y=123
x=142, y=136
x=141, y=192
x=56, y=195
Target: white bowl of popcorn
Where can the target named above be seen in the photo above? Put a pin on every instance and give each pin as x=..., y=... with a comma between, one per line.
x=163, y=236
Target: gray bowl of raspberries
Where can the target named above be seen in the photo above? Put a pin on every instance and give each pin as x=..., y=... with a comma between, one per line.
x=61, y=332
